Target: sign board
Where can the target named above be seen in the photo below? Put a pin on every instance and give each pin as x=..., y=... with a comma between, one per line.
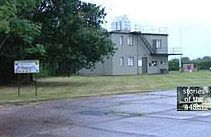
x=26, y=66
x=193, y=98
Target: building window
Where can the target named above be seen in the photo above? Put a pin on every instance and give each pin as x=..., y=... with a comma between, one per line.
x=130, y=41
x=121, y=40
x=150, y=64
x=162, y=62
x=122, y=61
x=157, y=44
x=140, y=62
x=130, y=61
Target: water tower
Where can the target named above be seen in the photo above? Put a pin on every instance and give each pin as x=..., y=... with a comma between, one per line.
x=121, y=23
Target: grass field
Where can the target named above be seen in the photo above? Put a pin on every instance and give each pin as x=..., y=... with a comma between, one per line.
x=77, y=86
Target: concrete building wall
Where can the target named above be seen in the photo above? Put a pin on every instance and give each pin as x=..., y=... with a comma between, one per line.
x=164, y=42
x=124, y=51
x=161, y=67
x=100, y=68
x=108, y=66
x=118, y=64
x=161, y=59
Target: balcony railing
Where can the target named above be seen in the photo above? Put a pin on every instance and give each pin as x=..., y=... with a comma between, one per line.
x=169, y=51
x=175, y=50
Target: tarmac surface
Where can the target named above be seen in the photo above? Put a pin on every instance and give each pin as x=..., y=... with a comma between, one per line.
x=151, y=114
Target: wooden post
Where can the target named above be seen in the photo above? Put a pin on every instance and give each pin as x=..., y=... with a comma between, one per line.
x=35, y=84
x=18, y=94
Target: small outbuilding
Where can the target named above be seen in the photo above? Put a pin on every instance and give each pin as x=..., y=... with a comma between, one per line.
x=189, y=67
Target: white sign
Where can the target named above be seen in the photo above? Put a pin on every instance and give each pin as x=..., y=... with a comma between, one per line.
x=26, y=66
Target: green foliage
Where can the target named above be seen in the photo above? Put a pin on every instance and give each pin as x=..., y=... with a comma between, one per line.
x=18, y=35
x=16, y=29
x=174, y=65
x=38, y=49
x=203, y=63
x=7, y=12
x=45, y=70
x=72, y=33
x=65, y=34
x=25, y=29
x=186, y=60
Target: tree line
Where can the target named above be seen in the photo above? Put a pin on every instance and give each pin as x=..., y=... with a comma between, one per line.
x=65, y=35
x=203, y=63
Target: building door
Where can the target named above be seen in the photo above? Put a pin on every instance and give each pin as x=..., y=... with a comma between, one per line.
x=144, y=65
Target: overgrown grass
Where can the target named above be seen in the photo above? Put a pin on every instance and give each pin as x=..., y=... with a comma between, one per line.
x=77, y=86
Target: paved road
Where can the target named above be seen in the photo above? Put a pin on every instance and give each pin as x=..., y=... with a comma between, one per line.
x=150, y=114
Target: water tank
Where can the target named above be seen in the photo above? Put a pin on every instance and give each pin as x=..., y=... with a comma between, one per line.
x=121, y=23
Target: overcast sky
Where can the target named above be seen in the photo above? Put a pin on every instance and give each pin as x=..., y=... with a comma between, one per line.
x=188, y=21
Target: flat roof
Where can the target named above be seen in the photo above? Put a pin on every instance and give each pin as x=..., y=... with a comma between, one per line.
x=137, y=33
x=167, y=54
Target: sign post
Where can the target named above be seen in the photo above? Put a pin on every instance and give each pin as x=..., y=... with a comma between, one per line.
x=24, y=67
x=35, y=84
x=18, y=85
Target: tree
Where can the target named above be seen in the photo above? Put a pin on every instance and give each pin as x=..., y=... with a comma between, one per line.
x=73, y=35
x=18, y=35
x=205, y=63
x=174, y=65
x=66, y=34
x=185, y=60
x=206, y=58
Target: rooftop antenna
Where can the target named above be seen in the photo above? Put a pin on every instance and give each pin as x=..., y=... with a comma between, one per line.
x=180, y=36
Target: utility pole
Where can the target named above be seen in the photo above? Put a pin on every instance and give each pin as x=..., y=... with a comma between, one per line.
x=180, y=39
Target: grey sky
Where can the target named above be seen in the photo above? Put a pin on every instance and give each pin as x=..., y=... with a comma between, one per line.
x=188, y=21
